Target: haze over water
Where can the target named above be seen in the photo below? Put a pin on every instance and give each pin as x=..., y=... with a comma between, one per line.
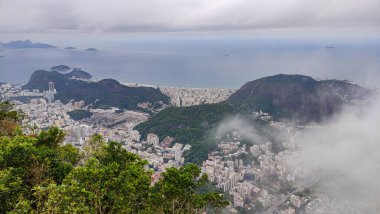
x=197, y=59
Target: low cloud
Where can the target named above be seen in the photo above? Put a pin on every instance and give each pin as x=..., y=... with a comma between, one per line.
x=339, y=158
x=344, y=155
x=146, y=15
x=242, y=127
x=248, y=132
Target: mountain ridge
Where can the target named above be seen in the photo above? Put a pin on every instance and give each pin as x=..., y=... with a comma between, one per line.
x=79, y=74
x=102, y=94
x=296, y=96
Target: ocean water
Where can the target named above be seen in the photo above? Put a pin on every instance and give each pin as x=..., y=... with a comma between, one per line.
x=200, y=62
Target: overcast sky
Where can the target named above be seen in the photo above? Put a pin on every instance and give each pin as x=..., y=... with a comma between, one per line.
x=183, y=15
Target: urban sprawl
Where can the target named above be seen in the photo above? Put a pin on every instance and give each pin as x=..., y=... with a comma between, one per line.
x=264, y=181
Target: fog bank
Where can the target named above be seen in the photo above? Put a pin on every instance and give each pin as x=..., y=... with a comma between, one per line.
x=344, y=155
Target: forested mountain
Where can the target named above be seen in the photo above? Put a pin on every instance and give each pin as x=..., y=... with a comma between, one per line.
x=296, y=97
x=105, y=93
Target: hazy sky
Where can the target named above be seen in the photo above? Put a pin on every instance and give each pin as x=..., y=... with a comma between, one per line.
x=154, y=41
x=179, y=15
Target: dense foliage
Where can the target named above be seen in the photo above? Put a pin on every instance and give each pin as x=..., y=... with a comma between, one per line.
x=200, y=150
x=79, y=114
x=9, y=119
x=28, y=162
x=188, y=125
x=195, y=125
x=38, y=174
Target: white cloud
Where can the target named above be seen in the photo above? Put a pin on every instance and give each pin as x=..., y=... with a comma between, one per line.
x=341, y=155
x=345, y=154
x=120, y=15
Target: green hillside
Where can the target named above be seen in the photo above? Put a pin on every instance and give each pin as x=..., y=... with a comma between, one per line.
x=79, y=114
x=185, y=124
x=105, y=93
x=189, y=125
x=296, y=96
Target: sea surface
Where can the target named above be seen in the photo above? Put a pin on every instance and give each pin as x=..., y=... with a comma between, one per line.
x=185, y=61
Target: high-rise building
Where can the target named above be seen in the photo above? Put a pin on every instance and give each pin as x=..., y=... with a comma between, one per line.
x=177, y=155
x=50, y=93
x=152, y=139
x=51, y=86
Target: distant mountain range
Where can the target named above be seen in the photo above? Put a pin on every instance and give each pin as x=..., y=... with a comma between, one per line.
x=25, y=44
x=102, y=94
x=296, y=96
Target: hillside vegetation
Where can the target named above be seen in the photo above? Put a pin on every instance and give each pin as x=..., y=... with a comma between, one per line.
x=296, y=97
x=39, y=174
x=188, y=125
x=197, y=125
x=185, y=124
x=102, y=94
x=79, y=114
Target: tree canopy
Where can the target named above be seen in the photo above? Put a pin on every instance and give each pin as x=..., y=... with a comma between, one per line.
x=9, y=118
x=40, y=174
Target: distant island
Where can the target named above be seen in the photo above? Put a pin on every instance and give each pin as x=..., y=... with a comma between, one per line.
x=91, y=49
x=19, y=44
x=70, y=48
